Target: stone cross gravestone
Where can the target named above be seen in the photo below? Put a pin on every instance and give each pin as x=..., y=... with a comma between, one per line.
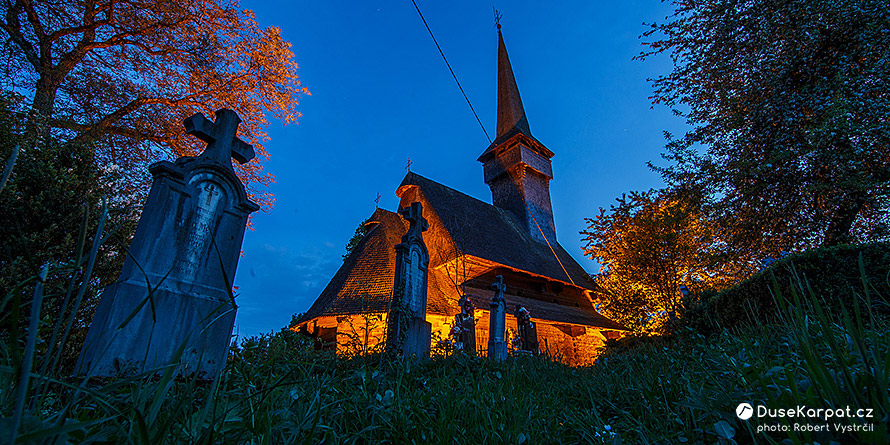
x=172, y=302
x=528, y=332
x=408, y=332
x=497, y=345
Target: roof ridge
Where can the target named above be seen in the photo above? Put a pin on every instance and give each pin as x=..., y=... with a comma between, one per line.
x=506, y=217
x=506, y=212
x=494, y=207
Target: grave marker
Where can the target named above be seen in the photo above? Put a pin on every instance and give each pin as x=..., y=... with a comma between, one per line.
x=171, y=303
x=497, y=346
x=528, y=332
x=465, y=327
x=408, y=332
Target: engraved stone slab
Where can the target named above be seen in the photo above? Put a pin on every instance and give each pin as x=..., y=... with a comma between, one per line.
x=171, y=304
x=497, y=345
x=408, y=332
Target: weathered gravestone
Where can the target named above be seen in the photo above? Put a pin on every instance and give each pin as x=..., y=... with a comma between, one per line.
x=171, y=303
x=464, y=329
x=528, y=332
x=408, y=332
x=497, y=345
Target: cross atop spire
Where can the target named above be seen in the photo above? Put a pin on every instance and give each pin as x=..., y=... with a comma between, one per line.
x=511, y=114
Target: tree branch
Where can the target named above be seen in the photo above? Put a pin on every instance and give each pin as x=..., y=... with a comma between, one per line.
x=13, y=27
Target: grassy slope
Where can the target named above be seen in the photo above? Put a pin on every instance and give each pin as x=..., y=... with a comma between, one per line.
x=682, y=389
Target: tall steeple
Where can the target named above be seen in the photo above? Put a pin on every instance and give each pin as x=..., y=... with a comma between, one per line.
x=516, y=165
x=511, y=114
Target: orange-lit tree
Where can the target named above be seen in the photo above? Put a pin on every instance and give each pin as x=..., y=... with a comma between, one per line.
x=123, y=74
x=648, y=245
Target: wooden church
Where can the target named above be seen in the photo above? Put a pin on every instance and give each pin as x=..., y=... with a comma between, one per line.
x=470, y=243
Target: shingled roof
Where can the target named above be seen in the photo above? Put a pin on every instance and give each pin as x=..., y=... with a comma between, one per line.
x=492, y=234
x=485, y=231
x=364, y=282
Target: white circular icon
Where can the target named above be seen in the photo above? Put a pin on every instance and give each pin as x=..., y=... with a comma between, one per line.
x=744, y=411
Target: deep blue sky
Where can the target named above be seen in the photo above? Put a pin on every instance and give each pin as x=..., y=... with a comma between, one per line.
x=382, y=94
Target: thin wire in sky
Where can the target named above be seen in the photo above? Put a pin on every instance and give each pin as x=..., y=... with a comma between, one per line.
x=452, y=71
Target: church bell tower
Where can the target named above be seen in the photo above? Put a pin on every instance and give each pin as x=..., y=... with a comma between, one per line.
x=516, y=165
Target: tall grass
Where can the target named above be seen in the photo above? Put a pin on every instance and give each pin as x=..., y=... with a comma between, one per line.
x=276, y=388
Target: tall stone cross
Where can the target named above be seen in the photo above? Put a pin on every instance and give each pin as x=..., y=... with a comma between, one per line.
x=221, y=136
x=499, y=288
x=408, y=331
x=172, y=303
x=497, y=345
x=416, y=260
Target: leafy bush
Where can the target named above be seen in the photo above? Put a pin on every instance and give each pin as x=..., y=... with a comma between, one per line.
x=49, y=212
x=832, y=272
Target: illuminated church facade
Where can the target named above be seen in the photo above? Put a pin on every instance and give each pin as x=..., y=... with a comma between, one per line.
x=470, y=242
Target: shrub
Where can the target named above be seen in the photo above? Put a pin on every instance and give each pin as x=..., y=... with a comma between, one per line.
x=50, y=208
x=831, y=272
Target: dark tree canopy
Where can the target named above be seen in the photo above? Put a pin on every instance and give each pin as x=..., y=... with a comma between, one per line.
x=790, y=115
x=125, y=73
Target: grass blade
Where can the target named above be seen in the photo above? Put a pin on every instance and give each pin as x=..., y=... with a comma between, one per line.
x=25, y=370
x=10, y=164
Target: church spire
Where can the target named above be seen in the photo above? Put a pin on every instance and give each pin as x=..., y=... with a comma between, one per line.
x=516, y=165
x=511, y=114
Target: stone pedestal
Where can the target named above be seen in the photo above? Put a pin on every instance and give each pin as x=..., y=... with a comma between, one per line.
x=497, y=350
x=172, y=303
x=417, y=342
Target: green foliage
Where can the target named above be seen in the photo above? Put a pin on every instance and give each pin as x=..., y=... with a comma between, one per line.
x=123, y=74
x=790, y=118
x=397, y=324
x=357, y=237
x=648, y=245
x=812, y=355
x=832, y=272
x=278, y=389
x=363, y=335
x=48, y=209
